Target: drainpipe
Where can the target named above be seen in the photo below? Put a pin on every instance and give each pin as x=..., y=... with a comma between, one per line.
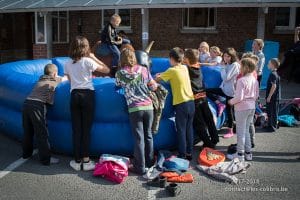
x=145, y=27
x=49, y=34
x=261, y=23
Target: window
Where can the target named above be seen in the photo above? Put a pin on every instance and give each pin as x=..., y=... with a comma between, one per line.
x=40, y=28
x=60, y=27
x=125, y=15
x=287, y=18
x=199, y=18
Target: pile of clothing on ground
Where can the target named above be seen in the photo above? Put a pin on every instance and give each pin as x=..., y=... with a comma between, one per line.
x=211, y=163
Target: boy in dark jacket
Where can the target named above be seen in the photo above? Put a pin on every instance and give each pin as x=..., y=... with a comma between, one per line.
x=112, y=39
x=203, y=118
x=34, y=115
x=272, y=95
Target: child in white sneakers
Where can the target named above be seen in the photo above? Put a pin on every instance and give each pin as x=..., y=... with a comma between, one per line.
x=244, y=101
x=79, y=72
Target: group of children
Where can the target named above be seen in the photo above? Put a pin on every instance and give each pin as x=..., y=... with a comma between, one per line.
x=239, y=86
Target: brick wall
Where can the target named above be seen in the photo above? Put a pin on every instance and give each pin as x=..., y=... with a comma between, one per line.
x=286, y=40
x=39, y=51
x=166, y=30
x=234, y=26
x=15, y=36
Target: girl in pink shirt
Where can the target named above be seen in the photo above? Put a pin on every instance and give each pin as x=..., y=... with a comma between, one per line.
x=244, y=100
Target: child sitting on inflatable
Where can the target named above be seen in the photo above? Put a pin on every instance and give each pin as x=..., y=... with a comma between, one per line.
x=183, y=101
x=215, y=57
x=135, y=80
x=111, y=38
x=229, y=76
x=34, y=115
x=203, y=118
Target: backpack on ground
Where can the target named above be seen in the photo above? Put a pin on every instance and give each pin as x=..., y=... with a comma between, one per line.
x=112, y=167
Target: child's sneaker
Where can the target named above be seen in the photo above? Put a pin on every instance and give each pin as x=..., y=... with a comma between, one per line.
x=88, y=166
x=248, y=156
x=75, y=165
x=221, y=108
x=236, y=155
x=229, y=134
x=54, y=160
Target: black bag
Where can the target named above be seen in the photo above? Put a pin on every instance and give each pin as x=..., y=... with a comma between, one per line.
x=232, y=149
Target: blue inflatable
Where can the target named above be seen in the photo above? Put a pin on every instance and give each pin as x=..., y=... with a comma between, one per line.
x=111, y=129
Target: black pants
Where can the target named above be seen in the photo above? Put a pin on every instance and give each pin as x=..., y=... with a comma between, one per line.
x=35, y=124
x=211, y=92
x=272, y=112
x=82, y=115
x=259, y=77
x=203, y=121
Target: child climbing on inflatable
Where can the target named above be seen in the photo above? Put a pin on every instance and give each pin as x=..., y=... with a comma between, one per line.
x=82, y=104
x=183, y=101
x=34, y=115
x=110, y=37
x=135, y=80
x=203, y=118
x=215, y=57
x=229, y=75
x=204, y=52
x=244, y=101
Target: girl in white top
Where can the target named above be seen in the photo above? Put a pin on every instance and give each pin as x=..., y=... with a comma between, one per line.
x=79, y=72
x=215, y=57
x=204, y=52
x=229, y=76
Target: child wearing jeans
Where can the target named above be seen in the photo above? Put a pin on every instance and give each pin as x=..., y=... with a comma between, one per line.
x=183, y=101
x=135, y=80
x=79, y=72
x=203, y=118
x=244, y=101
x=34, y=115
x=215, y=57
x=272, y=95
x=252, y=127
x=204, y=52
x=257, y=47
x=110, y=37
x=229, y=76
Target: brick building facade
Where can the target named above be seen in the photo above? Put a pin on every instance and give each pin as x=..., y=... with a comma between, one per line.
x=233, y=26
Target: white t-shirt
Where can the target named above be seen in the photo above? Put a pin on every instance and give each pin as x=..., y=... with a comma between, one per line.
x=80, y=73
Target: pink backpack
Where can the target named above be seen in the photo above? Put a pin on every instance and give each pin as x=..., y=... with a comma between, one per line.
x=113, y=168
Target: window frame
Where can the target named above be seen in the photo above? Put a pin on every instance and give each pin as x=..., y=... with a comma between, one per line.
x=292, y=20
x=127, y=29
x=36, y=28
x=58, y=28
x=204, y=29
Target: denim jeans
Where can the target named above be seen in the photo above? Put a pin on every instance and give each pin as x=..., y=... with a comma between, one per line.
x=243, y=120
x=141, y=122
